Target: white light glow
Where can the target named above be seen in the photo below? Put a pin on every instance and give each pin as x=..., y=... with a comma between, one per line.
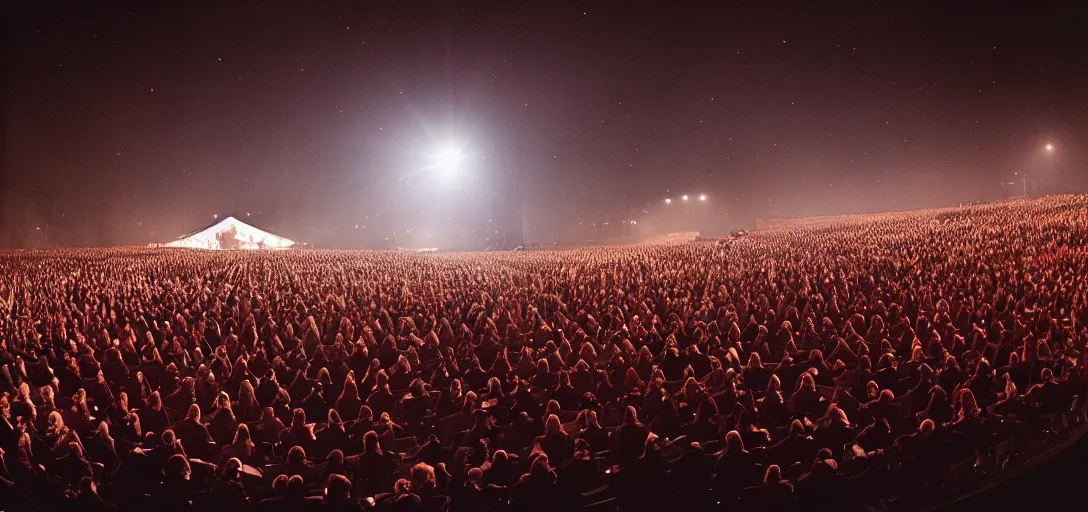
x=448, y=159
x=702, y=197
x=1050, y=147
x=668, y=200
x=685, y=197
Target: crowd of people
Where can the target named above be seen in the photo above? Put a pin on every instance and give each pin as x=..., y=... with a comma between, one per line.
x=831, y=366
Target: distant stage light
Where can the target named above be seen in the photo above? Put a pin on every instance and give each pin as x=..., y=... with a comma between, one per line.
x=448, y=159
x=685, y=197
x=702, y=197
x=668, y=200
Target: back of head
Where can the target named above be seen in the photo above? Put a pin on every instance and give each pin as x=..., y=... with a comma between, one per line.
x=552, y=424
x=296, y=488
x=591, y=418
x=734, y=443
x=370, y=442
x=338, y=488
x=422, y=477
x=366, y=413
x=194, y=413
x=279, y=485
x=233, y=466
x=773, y=475
x=168, y=437
x=296, y=456
x=774, y=384
x=336, y=456
x=268, y=414
x=177, y=467
x=540, y=465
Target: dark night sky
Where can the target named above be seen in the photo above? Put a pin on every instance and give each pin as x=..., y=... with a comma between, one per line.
x=135, y=123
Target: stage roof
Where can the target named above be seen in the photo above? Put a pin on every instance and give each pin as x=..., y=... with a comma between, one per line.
x=232, y=234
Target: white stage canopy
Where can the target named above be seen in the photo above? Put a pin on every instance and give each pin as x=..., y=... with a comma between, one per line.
x=232, y=234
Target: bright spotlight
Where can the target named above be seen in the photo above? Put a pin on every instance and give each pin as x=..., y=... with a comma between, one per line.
x=1050, y=147
x=702, y=197
x=685, y=197
x=448, y=159
x=668, y=200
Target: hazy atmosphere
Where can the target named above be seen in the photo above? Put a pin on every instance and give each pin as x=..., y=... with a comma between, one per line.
x=458, y=255
x=139, y=122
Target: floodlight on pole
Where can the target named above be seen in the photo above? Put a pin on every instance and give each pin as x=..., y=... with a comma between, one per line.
x=1050, y=176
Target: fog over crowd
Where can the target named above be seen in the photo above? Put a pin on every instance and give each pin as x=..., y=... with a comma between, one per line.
x=826, y=365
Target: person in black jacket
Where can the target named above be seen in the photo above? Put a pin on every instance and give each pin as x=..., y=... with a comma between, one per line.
x=821, y=487
x=629, y=439
x=554, y=443
x=88, y=500
x=194, y=436
x=735, y=468
x=338, y=496
x=535, y=490
x=73, y=466
x=775, y=494
x=153, y=417
x=227, y=491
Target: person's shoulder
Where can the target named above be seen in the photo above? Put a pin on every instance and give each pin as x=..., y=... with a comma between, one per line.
x=782, y=489
x=348, y=506
x=266, y=502
x=90, y=504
